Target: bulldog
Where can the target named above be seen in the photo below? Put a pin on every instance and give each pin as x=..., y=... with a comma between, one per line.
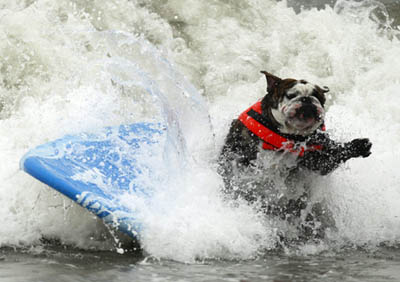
x=283, y=136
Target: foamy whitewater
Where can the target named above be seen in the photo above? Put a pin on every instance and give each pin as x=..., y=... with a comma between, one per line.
x=73, y=66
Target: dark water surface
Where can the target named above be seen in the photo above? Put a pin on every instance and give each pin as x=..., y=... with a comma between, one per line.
x=51, y=264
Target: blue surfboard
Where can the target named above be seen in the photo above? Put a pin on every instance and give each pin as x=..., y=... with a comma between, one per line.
x=97, y=169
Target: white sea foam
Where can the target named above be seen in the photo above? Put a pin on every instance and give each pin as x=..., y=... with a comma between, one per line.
x=84, y=65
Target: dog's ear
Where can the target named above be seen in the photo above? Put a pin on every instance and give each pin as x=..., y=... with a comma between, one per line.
x=320, y=94
x=272, y=81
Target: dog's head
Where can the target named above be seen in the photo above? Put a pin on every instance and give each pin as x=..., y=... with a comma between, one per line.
x=297, y=106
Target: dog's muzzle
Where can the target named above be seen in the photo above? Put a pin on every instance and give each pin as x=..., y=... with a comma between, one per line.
x=304, y=114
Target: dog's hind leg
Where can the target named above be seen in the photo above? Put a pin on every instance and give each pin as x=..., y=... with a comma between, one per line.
x=316, y=222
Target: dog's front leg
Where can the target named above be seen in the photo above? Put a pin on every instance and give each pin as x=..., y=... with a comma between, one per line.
x=333, y=154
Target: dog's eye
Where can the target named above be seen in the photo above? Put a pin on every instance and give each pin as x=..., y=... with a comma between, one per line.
x=291, y=96
x=316, y=94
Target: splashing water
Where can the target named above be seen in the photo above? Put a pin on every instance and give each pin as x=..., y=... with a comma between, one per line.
x=83, y=65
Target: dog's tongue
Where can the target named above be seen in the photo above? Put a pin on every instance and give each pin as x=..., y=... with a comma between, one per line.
x=304, y=122
x=306, y=117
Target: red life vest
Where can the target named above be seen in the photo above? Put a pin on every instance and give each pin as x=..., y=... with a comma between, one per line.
x=272, y=140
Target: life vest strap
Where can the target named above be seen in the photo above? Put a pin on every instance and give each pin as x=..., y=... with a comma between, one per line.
x=257, y=124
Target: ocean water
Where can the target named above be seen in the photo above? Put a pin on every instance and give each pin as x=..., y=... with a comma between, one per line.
x=72, y=66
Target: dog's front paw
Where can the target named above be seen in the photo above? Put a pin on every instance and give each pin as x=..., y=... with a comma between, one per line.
x=360, y=147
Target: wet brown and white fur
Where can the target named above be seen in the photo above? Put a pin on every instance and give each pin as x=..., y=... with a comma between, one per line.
x=295, y=110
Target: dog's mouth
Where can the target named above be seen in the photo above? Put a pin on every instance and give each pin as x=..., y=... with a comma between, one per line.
x=305, y=117
x=307, y=112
